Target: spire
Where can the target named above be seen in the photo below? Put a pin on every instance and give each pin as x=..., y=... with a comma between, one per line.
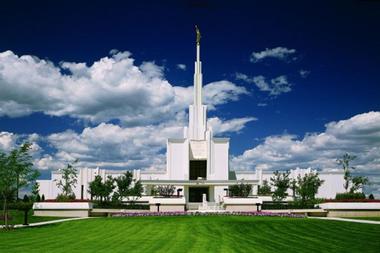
x=197, y=112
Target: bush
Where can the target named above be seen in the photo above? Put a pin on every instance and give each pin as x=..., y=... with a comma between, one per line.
x=166, y=190
x=349, y=195
x=371, y=196
x=65, y=198
x=38, y=198
x=240, y=190
x=43, y=198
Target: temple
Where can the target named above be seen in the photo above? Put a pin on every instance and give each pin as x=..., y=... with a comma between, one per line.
x=197, y=164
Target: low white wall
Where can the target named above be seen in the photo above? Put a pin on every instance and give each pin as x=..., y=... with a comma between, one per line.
x=241, y=204
x=350, y=206
x=167, y=204
x=62, y=209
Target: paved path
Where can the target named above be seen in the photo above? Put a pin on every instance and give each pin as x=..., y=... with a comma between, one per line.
x=349, y=220
x=42, y=223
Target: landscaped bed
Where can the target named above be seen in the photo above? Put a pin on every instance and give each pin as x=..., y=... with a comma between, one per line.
x=195, y=234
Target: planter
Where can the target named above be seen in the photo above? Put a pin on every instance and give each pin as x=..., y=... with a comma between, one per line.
x=62, y=209
x=167, y=204
x=242, y=204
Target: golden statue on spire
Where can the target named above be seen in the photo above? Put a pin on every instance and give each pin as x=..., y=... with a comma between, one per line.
x=198, y=34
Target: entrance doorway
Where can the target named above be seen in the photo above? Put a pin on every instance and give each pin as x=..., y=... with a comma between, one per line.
x=196, y=194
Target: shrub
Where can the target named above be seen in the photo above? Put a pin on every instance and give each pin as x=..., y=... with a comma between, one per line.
x=350, y=195
x=38, y=198
x=166, y=190
x=43, y=198
x=26, y=198
x=240, y=190
x=65, y=198
x=371, y=196
x=264, y=189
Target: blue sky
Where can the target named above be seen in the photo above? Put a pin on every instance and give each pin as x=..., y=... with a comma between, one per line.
x=292, y=84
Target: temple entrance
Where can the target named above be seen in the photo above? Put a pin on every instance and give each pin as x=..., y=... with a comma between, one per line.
x=196, y=194
x=198, y=169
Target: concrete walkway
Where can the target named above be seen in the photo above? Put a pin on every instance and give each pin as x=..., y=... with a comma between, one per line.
x=42, y=223
x=348, y=220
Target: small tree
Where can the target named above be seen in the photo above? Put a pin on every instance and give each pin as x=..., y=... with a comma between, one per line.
x=95, y=188
x=357, y=183
x=108, y=188
x=240, y=190
x=371, y=196
x=67, y=182
x=123, y=185
x=281, y=183
x=265, y=189
x=307, y=187
x=16, y=171
x=36, y=192
x=345, y=162
x=43, y=198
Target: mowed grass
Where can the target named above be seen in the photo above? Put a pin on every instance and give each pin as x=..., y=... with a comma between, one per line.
x=195, y=234
x=17, y=217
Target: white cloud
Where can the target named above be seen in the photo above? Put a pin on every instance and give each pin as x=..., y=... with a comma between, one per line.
x=262, y=104
x=7, y=141
x=234, y=125
x=304, y=73
x=110, y=88
x=275, y=87
x=181, y=66
x=281, y=53
x=359, y=135
x=113, y=146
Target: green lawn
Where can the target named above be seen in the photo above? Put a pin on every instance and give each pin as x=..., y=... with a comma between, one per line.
x=195, y=234
x=17, y=217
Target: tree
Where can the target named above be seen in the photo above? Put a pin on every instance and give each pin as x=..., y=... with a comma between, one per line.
x=95, y=188
x=108, y=188
x=123, y=185
x=281, y=183
x=20, y=161
x=67, y=182
x=307, y=186
x=371, y=196
x=240, y=190
x=16, y=171
x=357, y=183
x=265, y=188
x=36, y=192
x=345, y=162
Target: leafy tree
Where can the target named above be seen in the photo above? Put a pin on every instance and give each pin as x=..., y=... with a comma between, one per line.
x=95, y=188
x=293, y=186
x=20, y=161
x=345, y=162
x=36, y=192
x=240, y=190
x=108, y=188
x=307, y=186
x=265, y=188
x=357, y=183
x=281, y=183
x=16, y=171
x=67, y=182
x=123, y=185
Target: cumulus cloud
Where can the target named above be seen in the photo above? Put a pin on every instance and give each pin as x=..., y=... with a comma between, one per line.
x=359, y=135
x=274, y=87
x=181, y=66
x=281, y=53
x=113, y=87
x=234, y=125
x=7, y=141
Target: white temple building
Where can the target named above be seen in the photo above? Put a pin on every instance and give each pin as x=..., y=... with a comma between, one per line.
x=197, y=163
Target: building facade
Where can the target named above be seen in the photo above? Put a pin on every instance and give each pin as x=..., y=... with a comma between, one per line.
x=197, y=164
